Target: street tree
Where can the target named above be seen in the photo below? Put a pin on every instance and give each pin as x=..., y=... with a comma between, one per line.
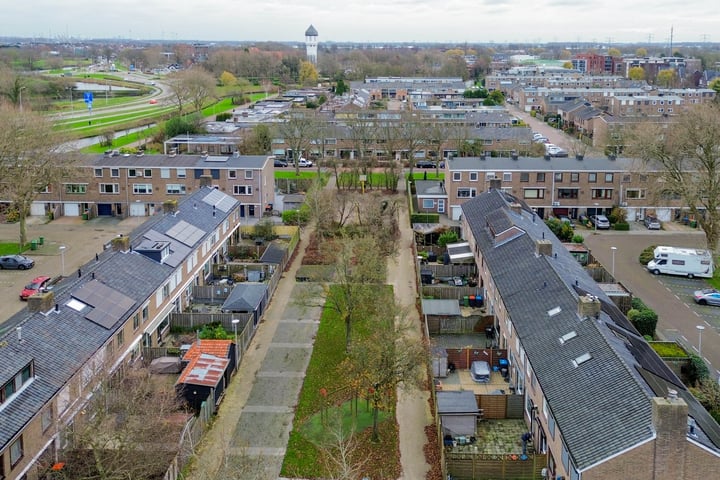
x=227, y=79
x=191, y=87
x=258, y=142
x=667, y=78
x=686, y=158
x=388, y=357
x=298, y=128
x=31, y=160
x=308, y=74
x=641, y=52
x=636, y=73
x=614, y=52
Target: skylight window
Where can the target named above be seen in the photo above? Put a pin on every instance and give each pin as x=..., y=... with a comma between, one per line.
x=76, y=304
x=581, y=359
x=568, y=336
x=554, y=311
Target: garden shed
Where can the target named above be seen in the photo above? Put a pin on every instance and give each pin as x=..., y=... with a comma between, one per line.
x=250, y=298
x=458, y=412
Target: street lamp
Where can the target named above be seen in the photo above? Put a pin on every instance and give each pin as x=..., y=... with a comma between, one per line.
x=700, y=330
x=62, y=259
x=20, y=90
x=613, y=249
x=235, y=322
x=596, y=215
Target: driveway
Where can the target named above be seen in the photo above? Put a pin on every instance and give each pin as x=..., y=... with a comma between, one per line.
x=669, y=296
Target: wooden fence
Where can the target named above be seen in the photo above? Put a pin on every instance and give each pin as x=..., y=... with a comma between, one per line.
x=448, y=291
x=196, y=320
x=482, y=466
x=190, y=438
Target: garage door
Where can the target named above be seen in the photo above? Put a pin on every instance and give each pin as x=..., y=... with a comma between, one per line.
x=72, y=209
x=104, y=209
x=37, y=209
x=137, y=209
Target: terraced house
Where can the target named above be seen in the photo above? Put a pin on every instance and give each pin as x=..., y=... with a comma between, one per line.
x=597, y=399
x=116, y=304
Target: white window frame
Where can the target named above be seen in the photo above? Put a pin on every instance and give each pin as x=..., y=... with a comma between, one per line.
x=114, y=187
x=181, y=173
x=142, y=189
x=474, y=176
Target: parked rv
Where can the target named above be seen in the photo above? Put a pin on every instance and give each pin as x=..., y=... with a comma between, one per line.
x=688, y=262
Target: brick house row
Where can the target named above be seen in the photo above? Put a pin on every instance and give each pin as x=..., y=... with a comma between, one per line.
x=98, y=320
x=130, y=185
x=597, y=399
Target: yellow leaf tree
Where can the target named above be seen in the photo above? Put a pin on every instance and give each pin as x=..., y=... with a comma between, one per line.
x=636, y=73
x=227, y=79
x=308, y=73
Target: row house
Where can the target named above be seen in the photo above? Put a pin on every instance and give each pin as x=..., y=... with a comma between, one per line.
x=557, y=186
x=691, y=96
x=533, y=98
x=646, y=106
x=94, y=323
x=137, y=186
x=578, y=115
x=597, y=399
x=505, y=82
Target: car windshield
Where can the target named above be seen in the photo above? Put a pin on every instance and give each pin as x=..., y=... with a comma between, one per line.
x=33, y=286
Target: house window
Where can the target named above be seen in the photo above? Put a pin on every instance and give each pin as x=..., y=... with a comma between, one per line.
x=164, y=173
x=602, y=193
x=242, y=190
x=132, y=173
x=609, y=177
x=145, y=314
x=175, y=189
x=635, y=193
x=534, y=193
x=428, y=203
x=166, y=290
x=98, y=172
x=47, y=418
x=215, y=173
x=47, y=189
x=540, y=177
x=142, y=188
x=507, y=176
x=574, y=177
x=524, y=177
x=181, y=173
x=232, y=174
x=109, y=188
x=147, y=172
x=136, y=321
x=567, y=193
x=120, y=338
x=626, y=178
x=592, y=177
x=466, y=192
x=489, y=176
x=16, y=451
x=76, y=188
x=457, y=176
x=248, y=174
x=115, y=172
x=558, y=177
x=474, y=176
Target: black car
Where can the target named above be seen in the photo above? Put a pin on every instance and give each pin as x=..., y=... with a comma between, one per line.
x=424, y=164
x=280, y=163
x=16, y=262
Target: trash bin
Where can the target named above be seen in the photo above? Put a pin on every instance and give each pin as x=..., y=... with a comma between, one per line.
x=85, y=215
x=693, y=224
x=33, y=244
x=41, y=241
x=466, y=300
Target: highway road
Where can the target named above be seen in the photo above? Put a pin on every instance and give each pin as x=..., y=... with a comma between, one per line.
x=669, y=296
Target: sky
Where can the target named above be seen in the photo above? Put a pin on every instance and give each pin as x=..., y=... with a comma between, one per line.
x=447, y=21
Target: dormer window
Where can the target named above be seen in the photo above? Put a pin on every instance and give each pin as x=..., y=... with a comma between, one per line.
x=15, y=384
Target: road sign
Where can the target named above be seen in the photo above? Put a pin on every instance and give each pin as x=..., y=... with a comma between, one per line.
x=88, y=96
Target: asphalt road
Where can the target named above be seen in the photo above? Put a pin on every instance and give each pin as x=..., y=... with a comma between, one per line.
x=669, y=296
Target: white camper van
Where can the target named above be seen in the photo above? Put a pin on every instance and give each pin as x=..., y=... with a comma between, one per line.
x=688, y=262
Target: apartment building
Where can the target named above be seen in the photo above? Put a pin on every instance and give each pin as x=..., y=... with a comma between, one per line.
x=557, y=186
x=98, y=320
x=597, y=399
x=533, y=98
x=137, y=185
x=596, y=64
x=646, y=105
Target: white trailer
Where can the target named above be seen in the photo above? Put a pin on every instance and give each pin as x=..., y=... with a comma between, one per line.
x=688, y=262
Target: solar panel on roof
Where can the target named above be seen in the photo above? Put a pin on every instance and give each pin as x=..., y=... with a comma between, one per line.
x=219, y=200
x=185, y=233
x=108, y=304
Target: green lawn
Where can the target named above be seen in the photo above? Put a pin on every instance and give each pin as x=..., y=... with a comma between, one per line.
x=431, y=175
x=303, y=458
x=305, y=174
x=11, y=248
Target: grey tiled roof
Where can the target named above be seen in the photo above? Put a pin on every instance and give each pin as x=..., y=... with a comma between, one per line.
x=178, y=161
x=456, y=402
x=599, y=406
x=539, y=164
x=61, y=341
x=245, y=297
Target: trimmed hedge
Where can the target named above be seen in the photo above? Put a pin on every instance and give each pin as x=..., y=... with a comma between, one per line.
x=622, y=226
x=425, y=218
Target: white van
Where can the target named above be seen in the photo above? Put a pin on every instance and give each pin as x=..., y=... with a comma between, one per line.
x=688, y=262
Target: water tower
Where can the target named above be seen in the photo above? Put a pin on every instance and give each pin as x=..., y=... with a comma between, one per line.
x=311, y=36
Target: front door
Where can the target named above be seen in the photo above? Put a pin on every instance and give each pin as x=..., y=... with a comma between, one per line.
x=441, y=205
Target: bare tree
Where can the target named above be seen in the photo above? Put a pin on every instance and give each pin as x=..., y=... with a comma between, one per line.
x=687, y=160
x=339, y=450
x=193, y=86
x=298, y=129
x=31, y=160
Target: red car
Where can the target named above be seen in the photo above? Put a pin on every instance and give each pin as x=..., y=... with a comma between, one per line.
x=33, y=287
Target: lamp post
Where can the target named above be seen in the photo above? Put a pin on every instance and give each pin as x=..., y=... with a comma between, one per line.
x=596, y=215
x=235, y=322
x=700, y=330
x=20, y=90
x=613, y=249
x=62, y=259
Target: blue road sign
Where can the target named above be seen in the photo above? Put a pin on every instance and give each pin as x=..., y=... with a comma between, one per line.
x=88, y=97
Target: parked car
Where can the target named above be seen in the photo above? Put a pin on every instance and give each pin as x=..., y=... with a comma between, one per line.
x=305, y=163
x=568, y=220
x=541, y=140
x=480, y=371
x=16, y=262
x=555, y=151
x=537, y=135
x=35, y=286
x=708, y=296
x=600, y=222
x=280, y=163
x=652, y=223
x=424, y=164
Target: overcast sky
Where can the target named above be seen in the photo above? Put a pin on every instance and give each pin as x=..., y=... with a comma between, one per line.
x=481, y=21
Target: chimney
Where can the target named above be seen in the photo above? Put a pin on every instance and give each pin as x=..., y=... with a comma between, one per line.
x=514, y=155
x=516, y=208
x=495, y=184
x=19, y=333
x=579, y=157
x=547, y=157
x=670, y=422
x=588, y=306
x=121, y=244
x=41, y=302
x=543, y=247
x=205, y=181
